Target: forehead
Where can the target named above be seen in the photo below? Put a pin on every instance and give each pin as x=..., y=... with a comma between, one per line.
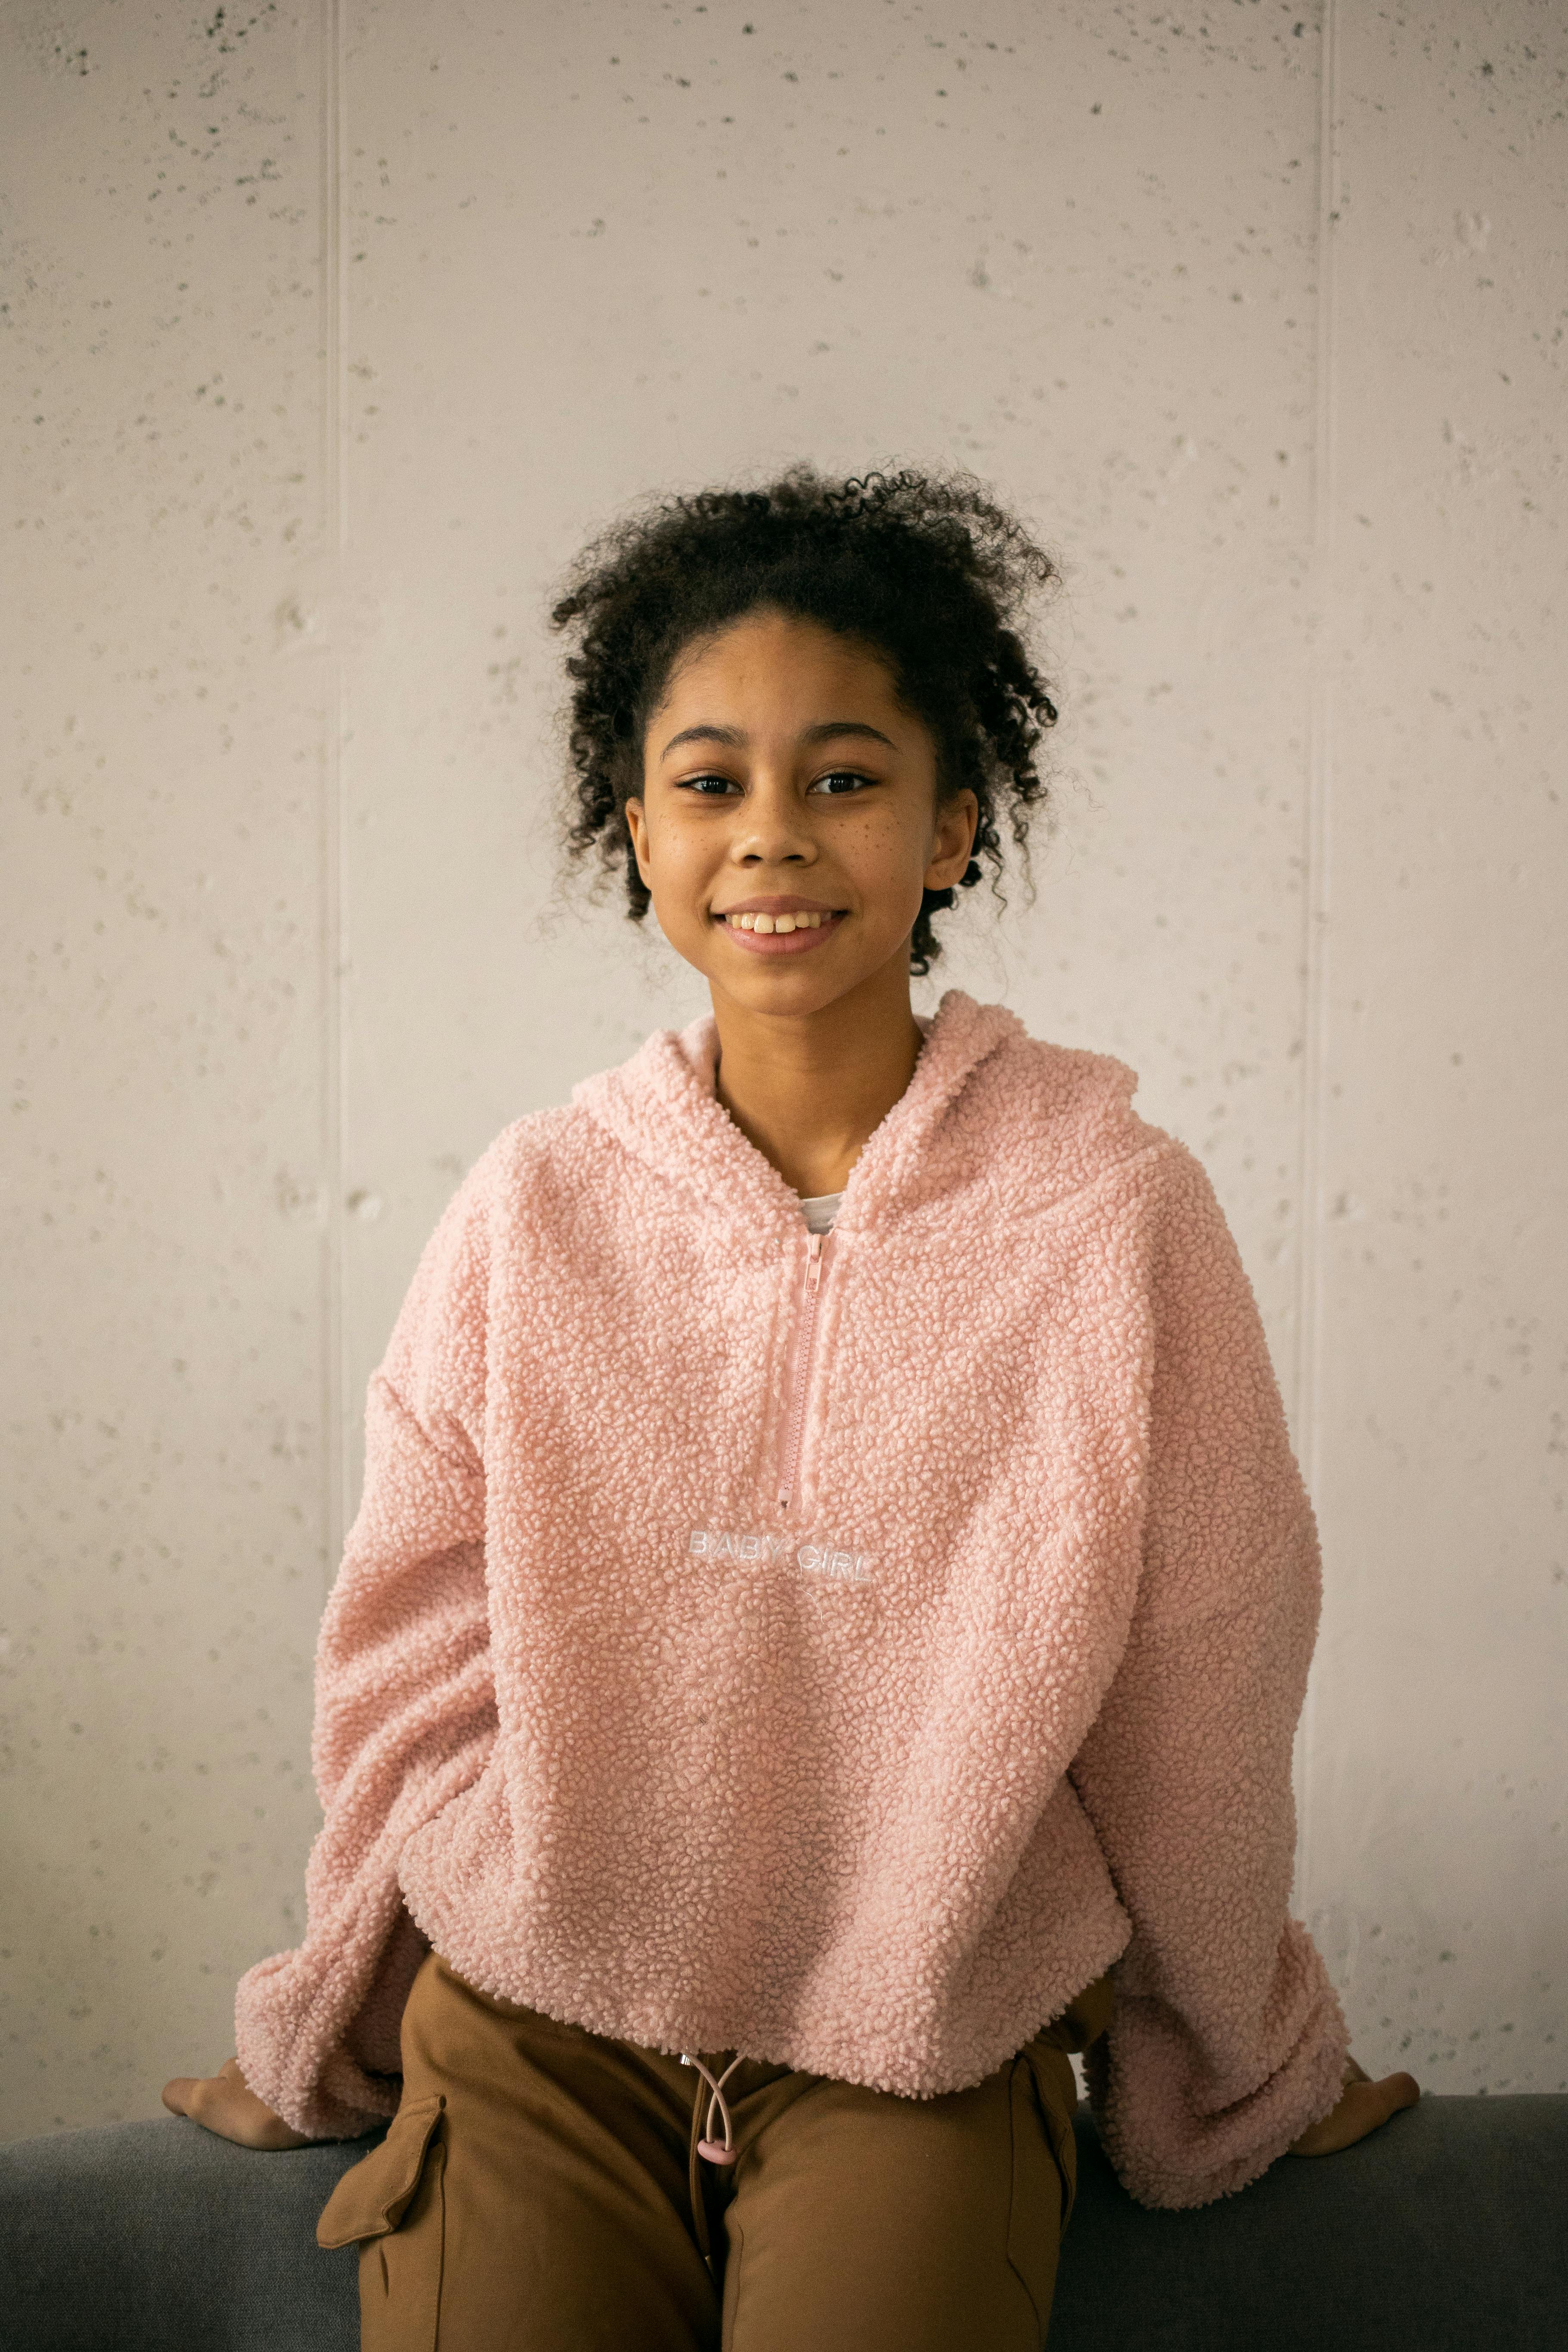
x=775, y=664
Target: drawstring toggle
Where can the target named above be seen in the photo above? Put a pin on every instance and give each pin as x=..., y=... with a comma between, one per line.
x=715, y=2151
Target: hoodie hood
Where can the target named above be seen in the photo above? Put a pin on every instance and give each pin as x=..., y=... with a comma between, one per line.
x=991, y=1119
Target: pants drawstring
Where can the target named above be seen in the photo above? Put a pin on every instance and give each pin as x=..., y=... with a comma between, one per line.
x=704, y=2147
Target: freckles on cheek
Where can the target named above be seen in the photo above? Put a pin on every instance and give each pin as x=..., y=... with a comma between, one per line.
x=891, y=853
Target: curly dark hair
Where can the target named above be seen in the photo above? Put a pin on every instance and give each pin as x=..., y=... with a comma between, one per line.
x=927, y=574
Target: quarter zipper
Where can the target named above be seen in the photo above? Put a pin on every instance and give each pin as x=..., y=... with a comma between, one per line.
x=816, y=1244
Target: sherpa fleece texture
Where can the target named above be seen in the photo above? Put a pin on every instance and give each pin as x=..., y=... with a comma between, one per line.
x=872, y=1786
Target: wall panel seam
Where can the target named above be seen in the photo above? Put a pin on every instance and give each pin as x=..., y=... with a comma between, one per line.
x=1315, y=864
x=335, y=1416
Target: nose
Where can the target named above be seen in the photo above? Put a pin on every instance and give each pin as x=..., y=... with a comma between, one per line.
x=773, y=828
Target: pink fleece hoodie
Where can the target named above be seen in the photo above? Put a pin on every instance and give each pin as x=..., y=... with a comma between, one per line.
x=873, y=1780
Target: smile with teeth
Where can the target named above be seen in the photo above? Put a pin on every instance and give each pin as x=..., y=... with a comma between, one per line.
x=766, y=923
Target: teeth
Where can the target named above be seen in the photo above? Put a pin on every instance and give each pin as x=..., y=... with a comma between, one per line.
x=783, y=924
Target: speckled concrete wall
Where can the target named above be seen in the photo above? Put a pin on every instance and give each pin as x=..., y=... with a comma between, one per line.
x=332, y=329
x=168, y=1220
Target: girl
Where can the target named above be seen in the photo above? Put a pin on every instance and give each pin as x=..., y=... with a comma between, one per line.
x=832, y=1597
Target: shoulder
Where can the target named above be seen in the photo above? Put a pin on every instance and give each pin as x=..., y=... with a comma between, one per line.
x=530, y=1149
x=1057, y=1123
x=537, y=1158
x=518, y=1193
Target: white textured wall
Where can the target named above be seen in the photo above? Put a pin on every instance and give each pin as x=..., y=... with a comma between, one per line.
x=331, y=329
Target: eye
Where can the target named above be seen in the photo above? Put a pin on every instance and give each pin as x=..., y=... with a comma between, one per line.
x=840, y=782
x=709, y=788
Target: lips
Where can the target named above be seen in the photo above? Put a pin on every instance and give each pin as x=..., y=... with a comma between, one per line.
x=775, y=930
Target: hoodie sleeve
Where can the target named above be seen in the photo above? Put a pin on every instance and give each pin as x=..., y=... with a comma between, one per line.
x=405, y=1705
x=1227, y=2039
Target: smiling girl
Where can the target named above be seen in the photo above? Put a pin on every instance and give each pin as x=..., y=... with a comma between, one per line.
x=825, y=1628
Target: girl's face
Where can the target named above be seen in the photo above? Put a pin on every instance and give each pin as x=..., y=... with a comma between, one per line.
x=788, y=820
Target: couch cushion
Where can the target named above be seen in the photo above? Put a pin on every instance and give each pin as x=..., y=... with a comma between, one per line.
x=157, y=2237
x=1443, y=2234
x=1446, y=2231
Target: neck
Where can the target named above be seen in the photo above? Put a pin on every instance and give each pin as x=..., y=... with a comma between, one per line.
x=808, y=1089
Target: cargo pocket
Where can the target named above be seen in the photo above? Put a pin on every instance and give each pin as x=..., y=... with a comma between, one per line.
x=1056, y=2092
x=373, y=2197
x=1044, y=2171
x=393, y=2205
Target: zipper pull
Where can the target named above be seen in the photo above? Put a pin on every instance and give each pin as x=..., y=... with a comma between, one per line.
x=804, y=1338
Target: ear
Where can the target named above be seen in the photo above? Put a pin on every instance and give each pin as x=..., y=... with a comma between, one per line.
x=636, y=827
x=952, y=841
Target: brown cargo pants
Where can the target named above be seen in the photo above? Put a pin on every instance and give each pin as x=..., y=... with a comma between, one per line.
x=540, y=2190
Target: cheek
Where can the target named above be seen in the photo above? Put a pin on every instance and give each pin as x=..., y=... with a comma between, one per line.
x=678, y=859
x=893, y=854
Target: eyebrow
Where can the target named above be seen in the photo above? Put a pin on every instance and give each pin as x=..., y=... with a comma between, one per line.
x=824, y=732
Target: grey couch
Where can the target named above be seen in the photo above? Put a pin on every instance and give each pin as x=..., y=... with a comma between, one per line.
x=1445, y=2233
